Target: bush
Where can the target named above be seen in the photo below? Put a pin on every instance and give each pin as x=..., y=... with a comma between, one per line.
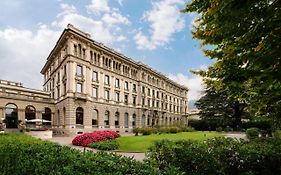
x=228, y=129
x=24, y=155
x=219, y=156
x=261, y=124
x=136, y=131
x=105, y=145
x=147, y=131
x=252, y=133
x=174, y=130
x=97, y=136
x=219, y=129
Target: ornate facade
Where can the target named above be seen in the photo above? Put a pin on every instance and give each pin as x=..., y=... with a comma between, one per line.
x=93, y=87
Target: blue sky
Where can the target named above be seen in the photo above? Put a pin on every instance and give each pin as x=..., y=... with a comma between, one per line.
x=151, y=31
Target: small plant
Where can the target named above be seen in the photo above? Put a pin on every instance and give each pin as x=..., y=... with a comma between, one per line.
x=136, y=131
x=219, y=129
x=147, y=131
x=228, y=129
x=252, y=133
x=105, y=145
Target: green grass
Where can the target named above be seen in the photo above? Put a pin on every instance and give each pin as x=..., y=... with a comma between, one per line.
x=142, y=143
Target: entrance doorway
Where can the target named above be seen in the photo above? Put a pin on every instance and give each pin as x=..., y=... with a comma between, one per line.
x=11, y=116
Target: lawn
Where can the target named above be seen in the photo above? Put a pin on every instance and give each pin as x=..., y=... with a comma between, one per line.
x=142, y=143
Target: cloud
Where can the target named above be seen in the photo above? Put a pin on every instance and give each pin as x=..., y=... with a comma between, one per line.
x=23, y=54
x=106, y=29
x=194, y=84
x=98, y=6
x=164, y=20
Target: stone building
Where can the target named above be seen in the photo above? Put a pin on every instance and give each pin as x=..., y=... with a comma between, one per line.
x=89, y=86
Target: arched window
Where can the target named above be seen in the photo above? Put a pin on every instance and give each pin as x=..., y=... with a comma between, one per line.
x=11, y=113
x=30, y=116
x=126, y=120
x=79, y=116
x=106, y=119
x=47, y=116
x=148, y=120
x=143, y=120
x=95, y=118
x=117, y=119
x=134, y=120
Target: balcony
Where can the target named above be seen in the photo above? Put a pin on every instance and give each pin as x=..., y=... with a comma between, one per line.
x=80, y=96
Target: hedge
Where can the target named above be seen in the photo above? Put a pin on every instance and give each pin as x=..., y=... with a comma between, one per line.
x=23, y=155
x=219, y=156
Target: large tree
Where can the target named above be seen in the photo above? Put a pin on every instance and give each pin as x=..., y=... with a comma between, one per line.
x=218, y=106
x=244, y=38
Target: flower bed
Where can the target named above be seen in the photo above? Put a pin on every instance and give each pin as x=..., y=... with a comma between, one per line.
x=97, y=136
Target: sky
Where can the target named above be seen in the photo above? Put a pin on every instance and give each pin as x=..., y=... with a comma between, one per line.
x=151, y=31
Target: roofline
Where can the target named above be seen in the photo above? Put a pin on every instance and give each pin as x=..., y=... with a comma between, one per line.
x=112, y=51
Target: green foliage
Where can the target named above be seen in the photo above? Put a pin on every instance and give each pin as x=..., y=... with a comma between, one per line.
x=219, y=129
x=105, y=145
x=219, y=156
x=246, y=42
x=261, y=124
x=136, y=131
x=147, y=131
x=252, y=133
x=228, y=129
x=205, y=125
x=221, y=108
x=23, y=155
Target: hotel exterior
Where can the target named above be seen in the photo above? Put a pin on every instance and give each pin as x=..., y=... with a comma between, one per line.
x=88, y=86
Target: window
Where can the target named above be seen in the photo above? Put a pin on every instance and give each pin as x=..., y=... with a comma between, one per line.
x=106, y=79
x=148, y=91
x=117, y=119
x=95, y=117
x=143, y=101
x=126, y=85
x=79, y=116
x=79, y=87
x=64, y=69
x=134, y=88
x=134, y=120
x=95, y=92
x=117, y=83
x=143, y=89
x=95, y=76
x=126, y=120
x=126, y=98
x=58, y=90
x=153, y=93
x=134, y=100
x=64, y=87
x=106, y=118
x=117, y=96
x=79, y=70
x=157, y=94
x=106, y=94
x=148, y=102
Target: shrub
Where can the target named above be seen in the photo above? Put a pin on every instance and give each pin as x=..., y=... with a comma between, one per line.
x=219, y=129
x=97, y=136
x=136, y=131
x=174, y=130
x=23, y=155
x=228, y=129
x=252, y=133
x=147, y=131
x=105, y=145
x=219, y=156
x=261, y=124
x=277, y=134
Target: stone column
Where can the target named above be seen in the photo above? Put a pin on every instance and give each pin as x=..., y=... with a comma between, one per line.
x=1, y=113
x=112, y=120
x=130, y=121
x=101, y=119
x=21, y=115
x=70, y=76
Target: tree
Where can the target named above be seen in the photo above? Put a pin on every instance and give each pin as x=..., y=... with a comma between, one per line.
x=245, y=40
x=217, y=106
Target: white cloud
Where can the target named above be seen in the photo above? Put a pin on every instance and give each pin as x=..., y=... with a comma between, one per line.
x=98, y=6
x=23, y=54
x=120, y=2
x=105, y=30
x=164, y=20
x=194, y=84
x=114, y=18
